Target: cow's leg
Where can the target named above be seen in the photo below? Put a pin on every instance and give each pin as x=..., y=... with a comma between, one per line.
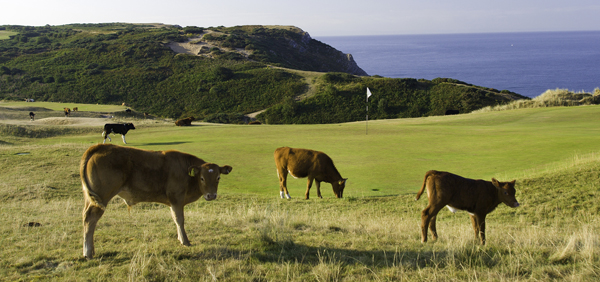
x=282, y=174
x=308, y=185
x=433, y=228
x=318, y=185
x=427, y=215
x=105, y=135
x=123, y=136
x=475, y=226
x=91, y=215
x=481, y=223
x=177, y=214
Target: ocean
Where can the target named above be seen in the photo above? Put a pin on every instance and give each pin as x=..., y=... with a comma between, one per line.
x=527, y=63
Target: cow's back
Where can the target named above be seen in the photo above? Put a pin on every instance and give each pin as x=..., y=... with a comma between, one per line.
x=134, y=174
x=299, y=162
x=460, y=192
x=304, y=162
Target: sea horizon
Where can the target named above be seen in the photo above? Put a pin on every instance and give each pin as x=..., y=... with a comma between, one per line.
x=527, y=63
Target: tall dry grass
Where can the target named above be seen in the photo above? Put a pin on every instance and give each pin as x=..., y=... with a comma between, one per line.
x=550, y=98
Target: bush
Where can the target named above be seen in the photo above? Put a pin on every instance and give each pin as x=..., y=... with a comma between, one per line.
x=193, y=29
x=225, y=118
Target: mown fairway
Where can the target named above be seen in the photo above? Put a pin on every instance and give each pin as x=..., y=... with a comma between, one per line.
x=371, y=234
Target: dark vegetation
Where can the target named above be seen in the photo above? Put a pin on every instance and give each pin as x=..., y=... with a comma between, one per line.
x=118, y=63
x=342, y=98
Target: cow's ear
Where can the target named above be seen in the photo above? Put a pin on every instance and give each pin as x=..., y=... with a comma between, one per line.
x=193, y=170
x=495, y=182
x=343, y=181
x=226, y=169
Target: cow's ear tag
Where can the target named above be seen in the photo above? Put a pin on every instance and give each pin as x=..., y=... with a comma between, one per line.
x=192, y=172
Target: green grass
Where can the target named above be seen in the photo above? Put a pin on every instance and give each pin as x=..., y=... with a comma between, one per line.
x=56, y=106
x=395, y=154
x=6, y=34
x=249, y=234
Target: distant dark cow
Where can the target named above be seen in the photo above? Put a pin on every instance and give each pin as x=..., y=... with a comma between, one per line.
x=128, y=111
x=75, y=109
x=452, y=112
x=302, y=163
x=67, y=112
x=477, y=197
x=185, y=121
x=31, y=116
x=168, y=177
x=116, y=128
x=255, y=122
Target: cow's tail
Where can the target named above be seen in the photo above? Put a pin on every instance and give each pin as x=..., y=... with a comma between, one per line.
x=89, y=195
x=429, y=173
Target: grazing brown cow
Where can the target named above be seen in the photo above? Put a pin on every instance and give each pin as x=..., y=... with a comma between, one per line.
x=75, y=109
x=169, y=177
x=185, y=121
x=477, y=197
x=302, y=163
x=67, y=112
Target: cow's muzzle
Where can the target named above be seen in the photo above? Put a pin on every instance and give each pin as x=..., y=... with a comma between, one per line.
x=210, y=197
x=516, y=204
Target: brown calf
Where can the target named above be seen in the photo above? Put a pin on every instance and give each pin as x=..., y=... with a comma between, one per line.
x=302, y=163
x=169, y=177
x=477, y=197
x=185, y=121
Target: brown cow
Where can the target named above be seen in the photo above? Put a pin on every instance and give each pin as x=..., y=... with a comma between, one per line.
x=169, y=177
x=75, y=109
x=185, y=121
x=477, y=197
x=302, y=163
x=67, y=112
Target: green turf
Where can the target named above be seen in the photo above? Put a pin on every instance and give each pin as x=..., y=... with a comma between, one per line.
x=395, y=154
x=248, y=234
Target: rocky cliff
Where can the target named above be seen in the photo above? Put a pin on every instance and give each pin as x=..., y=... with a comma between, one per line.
x=284, y=46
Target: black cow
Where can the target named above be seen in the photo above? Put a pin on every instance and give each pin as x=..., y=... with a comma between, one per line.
x=31, y=116
x=116, y=128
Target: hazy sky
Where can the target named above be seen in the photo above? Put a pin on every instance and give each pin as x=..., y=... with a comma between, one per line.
x=321, y=17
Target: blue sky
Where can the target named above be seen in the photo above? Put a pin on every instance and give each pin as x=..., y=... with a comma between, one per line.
x=321, y=17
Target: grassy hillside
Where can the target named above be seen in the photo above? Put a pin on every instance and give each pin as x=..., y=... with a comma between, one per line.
x=250, y=234
x=133, y=64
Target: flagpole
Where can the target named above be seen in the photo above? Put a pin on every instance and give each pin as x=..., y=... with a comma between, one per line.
x=367, y=119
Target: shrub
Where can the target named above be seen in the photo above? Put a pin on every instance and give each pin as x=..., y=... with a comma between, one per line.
x=193, y=29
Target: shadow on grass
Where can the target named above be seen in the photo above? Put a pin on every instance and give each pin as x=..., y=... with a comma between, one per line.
x=310, y=255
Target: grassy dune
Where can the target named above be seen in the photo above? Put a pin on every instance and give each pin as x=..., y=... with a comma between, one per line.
x=249, y=234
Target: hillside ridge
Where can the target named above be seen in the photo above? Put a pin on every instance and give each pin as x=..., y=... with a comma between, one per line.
x=216, y=74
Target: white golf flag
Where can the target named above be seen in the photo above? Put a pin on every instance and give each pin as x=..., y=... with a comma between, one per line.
x=368, y=94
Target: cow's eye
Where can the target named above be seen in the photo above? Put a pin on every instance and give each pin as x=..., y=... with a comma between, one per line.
x=202, y=179
x=505, y=193
x=218, y=178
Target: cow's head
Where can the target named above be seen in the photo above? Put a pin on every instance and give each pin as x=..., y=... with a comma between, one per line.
x=506, y=192
x=208, y=176
x=129, y=126
x=338, y=187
